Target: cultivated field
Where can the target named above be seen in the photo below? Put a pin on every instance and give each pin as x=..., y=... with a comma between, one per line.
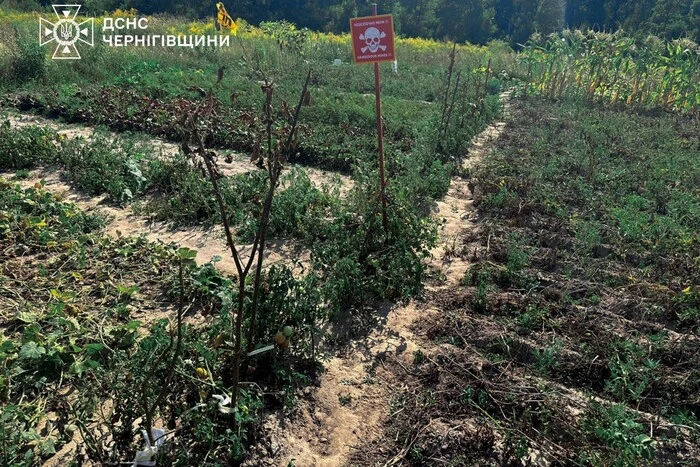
x=533, y=300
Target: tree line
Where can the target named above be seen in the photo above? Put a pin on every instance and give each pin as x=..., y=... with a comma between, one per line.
x=475, y=21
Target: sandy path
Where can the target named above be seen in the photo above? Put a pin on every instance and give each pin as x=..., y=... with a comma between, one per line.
x=351, y=403
x=209, y=242
x=240, y=163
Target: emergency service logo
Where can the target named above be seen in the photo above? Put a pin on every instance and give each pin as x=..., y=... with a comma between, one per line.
x=67, y=32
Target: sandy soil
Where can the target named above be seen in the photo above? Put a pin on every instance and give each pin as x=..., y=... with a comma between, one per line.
x=348, y=408
x=209, y=242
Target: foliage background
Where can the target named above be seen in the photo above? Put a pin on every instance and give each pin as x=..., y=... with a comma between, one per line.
x=476, y=21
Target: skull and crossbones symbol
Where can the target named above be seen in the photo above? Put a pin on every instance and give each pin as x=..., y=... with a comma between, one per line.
x=373, y=38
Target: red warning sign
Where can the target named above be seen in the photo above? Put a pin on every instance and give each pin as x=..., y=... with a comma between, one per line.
x=373, y=39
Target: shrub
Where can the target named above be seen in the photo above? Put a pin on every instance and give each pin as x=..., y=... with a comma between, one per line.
x=29, y=63
x=297, y=207
x=106, y=166
x=27, y=148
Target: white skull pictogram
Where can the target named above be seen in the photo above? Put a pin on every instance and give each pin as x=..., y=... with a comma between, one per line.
x=373, y=38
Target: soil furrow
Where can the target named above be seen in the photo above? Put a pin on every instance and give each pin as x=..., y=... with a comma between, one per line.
x=352, y=402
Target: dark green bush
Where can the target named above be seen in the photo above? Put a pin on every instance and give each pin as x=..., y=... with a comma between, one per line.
x=27, y=148
x=185, y=196
x=297, y=207
x=357, y=261
x=106, y=166
x=29, y=63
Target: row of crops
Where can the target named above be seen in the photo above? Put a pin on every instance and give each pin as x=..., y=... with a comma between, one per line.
x=615, y=68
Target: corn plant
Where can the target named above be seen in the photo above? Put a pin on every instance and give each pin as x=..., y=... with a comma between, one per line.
x=614, y=68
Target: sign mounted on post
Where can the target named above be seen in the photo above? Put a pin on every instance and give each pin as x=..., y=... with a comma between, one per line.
x=372, y=39
x=373, y=42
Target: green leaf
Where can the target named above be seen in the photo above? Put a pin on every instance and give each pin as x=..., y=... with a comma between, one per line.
x=132, y=325
x=7, y=346
x=92, y=349
x=77, y=368
x=47, y=447
x=643, y=439
x=186, y=254
x=127, y=290
x=27, y=317
x=31, y=351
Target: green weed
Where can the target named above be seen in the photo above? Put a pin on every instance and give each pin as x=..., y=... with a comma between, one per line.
x=106, y=166
x=29, y=64
x=616, y=428
x=632, y=373
x=28, y=147
x=546, y=359
x=533, y=318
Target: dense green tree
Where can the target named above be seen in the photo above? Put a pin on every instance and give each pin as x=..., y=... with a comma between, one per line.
x=549, y=16
x=523, y=25
x=461, y=20
x=471, y=20
x=673, y=18
x=587, y=14
x=418, y=17
x=504, y=10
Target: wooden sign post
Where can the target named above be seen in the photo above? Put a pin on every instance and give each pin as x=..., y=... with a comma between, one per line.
x=373, y=42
